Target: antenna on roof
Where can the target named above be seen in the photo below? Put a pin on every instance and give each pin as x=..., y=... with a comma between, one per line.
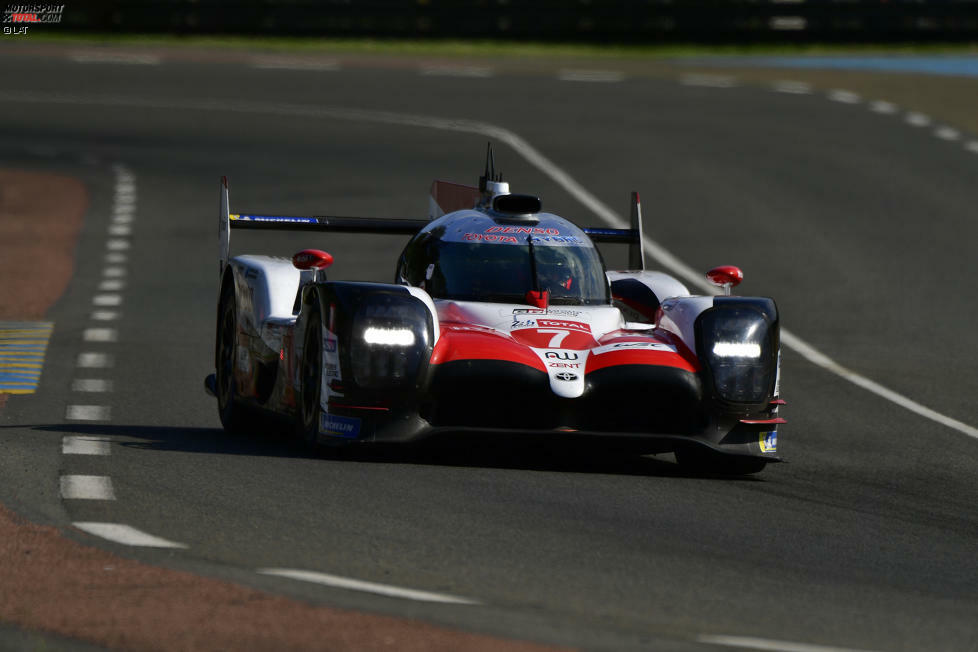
x=490, y=173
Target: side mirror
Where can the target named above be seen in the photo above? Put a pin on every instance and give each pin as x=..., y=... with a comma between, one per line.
x=312, y=259
x=725, y=276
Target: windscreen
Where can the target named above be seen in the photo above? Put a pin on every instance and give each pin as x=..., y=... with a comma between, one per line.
x=478, y=271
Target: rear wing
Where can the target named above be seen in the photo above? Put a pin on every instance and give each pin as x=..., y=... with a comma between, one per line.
x=397, y=226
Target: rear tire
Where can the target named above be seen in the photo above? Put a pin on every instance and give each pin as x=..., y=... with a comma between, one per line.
x=701, y=460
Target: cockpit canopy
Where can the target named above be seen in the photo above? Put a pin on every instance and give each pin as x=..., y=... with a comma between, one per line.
x=470, y=256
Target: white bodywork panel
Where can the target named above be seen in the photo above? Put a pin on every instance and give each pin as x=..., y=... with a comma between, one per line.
x=663, y=285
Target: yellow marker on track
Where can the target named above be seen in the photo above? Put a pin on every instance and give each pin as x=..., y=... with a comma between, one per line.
x=22, y=349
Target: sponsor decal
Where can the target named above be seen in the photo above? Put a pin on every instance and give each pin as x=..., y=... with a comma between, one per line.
x=522, y=229
x=564, y=365
x=272, y=218
x=332, y=370
x=561, y=355
x=633, y=346
x=329, y=344
x=490, y=237
x=769, y=441
x=546, y=311
x=527, y=323
x=563, y=323
x=334, y=425
x=566, y=376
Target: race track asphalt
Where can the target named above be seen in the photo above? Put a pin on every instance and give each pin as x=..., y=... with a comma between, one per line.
x=861, y=227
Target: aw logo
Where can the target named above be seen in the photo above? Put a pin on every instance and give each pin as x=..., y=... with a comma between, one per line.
x=769, y=441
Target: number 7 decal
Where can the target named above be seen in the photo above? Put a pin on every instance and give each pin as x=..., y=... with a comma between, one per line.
x=558, y=337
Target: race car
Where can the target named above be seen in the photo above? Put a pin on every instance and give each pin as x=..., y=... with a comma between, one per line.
x=501, y=319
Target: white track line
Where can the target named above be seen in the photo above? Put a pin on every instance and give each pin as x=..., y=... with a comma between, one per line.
x=88, y=413
x=91, y=385
x=288, y=63
x=947, y=133
x=87, y=487
x=792, y=87
x=114, y=272
x=752, y=643
x=655, y=250
x=106, y=300
x=94, y=360
x=105, y=315
x=100, y=335
x=116, y=257
x=918, y=119
x=85, y=445
x=111, y=285
x=108, y=57
x=844, y=96
x=457, y=71
x=972, y=146
x=338, y=582
x=710, y=81
x=600, y=76
x=884, y=107
x=126, y=535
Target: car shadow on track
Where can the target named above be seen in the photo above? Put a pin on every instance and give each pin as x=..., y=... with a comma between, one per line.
x=482, y=450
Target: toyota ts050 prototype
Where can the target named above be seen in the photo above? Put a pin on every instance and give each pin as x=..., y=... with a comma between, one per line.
x=501, y=318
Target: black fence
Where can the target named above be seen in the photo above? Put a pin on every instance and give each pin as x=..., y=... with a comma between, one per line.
x=598, y=21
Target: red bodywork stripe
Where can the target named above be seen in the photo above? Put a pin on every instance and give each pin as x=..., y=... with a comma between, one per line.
x=461, y=342
x=754, y=422
x=637, y=356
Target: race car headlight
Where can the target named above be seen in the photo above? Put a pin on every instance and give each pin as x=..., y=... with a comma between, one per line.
x=391, y=334
x=737, y=343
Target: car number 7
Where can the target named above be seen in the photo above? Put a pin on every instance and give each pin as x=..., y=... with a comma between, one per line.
x=558, y=337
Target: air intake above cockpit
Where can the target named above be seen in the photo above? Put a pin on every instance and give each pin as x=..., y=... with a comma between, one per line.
x=516, y=206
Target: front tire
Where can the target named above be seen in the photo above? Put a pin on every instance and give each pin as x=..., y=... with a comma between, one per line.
x=232, y=415
x=311, y=375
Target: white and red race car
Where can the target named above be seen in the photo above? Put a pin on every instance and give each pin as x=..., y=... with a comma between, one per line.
x=502, y=318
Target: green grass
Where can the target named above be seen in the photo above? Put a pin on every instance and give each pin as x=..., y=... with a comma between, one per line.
x=489, y=48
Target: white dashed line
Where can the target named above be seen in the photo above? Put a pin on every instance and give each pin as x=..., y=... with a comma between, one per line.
x=114, y=272
x=120, y=229
x=845, y=97
x=117, y=245
x=338, y=582
x=126, y=535
x=88, y=413
x=751, y=643
x=100, y=335
x=116, y=257
x=972, y=146
x=105, y=315
x=107, y=300
x=87, y=487
x=591, y=75
x=917, y=119
x=947, y=133
x=91, y=385
x=711, y=81
x=108, y=57
x=111, y=285
x=881, y=106
x=457, y=71
x=85, y=445
x=792, y=87
x=94, y=360
x=288, y=63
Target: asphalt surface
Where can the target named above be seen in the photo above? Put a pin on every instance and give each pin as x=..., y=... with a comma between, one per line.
x=860, y=226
